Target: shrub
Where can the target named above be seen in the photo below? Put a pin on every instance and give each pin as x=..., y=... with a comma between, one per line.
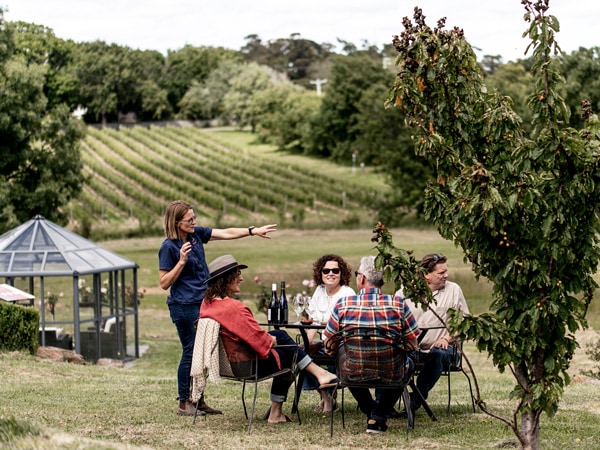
x=593, y=351
x=19, y=328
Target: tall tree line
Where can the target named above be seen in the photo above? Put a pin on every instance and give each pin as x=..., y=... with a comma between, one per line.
x=266, y=87
x=40, y=165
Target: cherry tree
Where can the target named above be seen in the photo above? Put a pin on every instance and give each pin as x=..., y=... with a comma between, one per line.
x=523, y=206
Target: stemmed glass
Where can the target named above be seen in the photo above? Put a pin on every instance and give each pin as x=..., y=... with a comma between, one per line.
x=299, y=304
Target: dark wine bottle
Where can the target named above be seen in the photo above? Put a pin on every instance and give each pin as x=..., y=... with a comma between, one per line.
x=284, y=304
x=273, y=309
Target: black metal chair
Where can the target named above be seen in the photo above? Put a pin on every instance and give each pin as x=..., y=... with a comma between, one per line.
x=455, y=365
x=371, y=357
x=239, y=362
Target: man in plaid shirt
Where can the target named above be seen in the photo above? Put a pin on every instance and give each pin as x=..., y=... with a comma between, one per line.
x=368, y=309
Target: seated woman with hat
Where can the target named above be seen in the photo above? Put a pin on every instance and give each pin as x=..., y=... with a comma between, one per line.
x=238, y=322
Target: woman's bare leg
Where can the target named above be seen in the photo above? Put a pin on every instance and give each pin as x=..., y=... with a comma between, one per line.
x=276, y=414
x=323, y=376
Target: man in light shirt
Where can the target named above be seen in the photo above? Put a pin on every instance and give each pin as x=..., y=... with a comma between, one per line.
x=435, y=346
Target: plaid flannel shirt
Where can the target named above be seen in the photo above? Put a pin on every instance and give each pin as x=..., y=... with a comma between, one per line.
x=371, y=308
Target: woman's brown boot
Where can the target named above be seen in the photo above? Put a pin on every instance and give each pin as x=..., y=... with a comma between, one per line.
x=202, y=406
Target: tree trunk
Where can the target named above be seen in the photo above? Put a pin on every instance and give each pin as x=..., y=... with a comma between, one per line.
x=529, y=434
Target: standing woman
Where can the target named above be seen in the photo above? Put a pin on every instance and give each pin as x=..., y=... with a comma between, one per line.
x=183, y=270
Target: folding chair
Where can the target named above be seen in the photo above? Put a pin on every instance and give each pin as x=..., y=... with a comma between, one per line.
x=372, y=357
x=239, y=362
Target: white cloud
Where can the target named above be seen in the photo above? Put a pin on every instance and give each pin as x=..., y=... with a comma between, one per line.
x=493, y=26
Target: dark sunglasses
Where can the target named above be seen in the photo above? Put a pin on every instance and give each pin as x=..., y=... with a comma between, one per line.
x=326, y=270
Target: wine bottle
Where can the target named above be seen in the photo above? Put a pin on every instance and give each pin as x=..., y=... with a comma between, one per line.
x=284, y=304
x=277, y=309
x=273, y=310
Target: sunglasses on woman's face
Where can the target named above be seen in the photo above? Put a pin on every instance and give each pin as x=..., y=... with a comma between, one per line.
x=326, y=270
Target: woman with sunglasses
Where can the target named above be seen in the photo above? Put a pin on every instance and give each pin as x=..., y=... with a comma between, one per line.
x=183, y=270
x=331, y=275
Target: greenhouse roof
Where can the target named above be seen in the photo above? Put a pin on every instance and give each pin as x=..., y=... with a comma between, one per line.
x=41, y=248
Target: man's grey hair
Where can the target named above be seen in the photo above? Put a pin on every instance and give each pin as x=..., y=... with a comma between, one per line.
x=367, y=268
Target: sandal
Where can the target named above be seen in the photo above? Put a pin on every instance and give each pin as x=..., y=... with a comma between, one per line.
x=330, y=384
x=288, y=419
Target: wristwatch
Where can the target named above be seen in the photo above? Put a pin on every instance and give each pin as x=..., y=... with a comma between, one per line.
x=250, y=230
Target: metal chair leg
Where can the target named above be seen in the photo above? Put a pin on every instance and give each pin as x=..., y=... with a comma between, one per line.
x=244, y=399
x=298, y=391
x=424, y=404
x=449, y=394
x=253, y=406
x=410, y=418
x=470, y=389
x=196, y=412
x=343, y=415
x=333, y=411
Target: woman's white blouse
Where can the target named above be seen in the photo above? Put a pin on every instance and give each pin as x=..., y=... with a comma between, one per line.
x=321, y=304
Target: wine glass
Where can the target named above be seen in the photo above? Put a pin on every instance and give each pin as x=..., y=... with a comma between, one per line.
x=299, y=304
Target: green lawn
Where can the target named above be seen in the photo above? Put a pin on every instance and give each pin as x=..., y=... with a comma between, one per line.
x=63, y=406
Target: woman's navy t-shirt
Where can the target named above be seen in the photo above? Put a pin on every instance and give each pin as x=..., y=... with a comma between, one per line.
x=189, y=287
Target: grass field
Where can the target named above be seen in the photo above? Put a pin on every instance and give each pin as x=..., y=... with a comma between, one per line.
x=289, y=256
x=62, y=406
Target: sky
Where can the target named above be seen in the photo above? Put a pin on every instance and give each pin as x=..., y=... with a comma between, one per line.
x=492, y=27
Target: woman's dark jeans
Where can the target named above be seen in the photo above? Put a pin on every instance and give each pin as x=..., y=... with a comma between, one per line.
x=184, y=317
x=281, y=384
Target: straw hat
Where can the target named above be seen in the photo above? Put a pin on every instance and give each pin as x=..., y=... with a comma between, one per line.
x=221, y=265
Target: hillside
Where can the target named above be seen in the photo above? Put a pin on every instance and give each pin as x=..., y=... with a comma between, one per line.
x=132, y=174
